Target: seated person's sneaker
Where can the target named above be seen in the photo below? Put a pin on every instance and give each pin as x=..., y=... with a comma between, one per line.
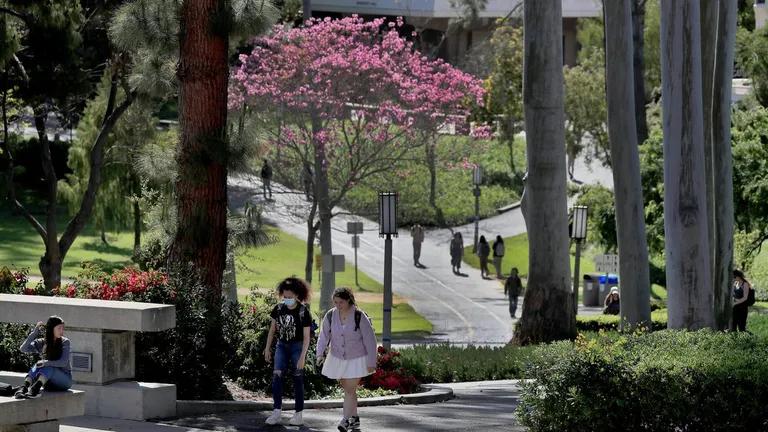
x=22, y=392
x=36, y=390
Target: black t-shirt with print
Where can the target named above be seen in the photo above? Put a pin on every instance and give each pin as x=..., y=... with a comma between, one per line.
x=290, y=325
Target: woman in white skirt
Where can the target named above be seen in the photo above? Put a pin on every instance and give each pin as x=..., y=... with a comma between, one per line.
x=352, y=355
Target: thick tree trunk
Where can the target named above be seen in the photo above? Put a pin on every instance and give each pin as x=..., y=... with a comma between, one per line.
x=638, y=45
x=548, y=310
x=709, y=12
x=50, y=268
x=723, y=163
x=625, y=157
x=201, y=189
x=322, y=196
x=689, y=283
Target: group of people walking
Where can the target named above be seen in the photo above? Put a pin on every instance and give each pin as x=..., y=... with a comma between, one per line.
x=484, y=251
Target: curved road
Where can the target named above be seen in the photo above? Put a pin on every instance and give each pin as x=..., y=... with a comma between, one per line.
x=462, y=309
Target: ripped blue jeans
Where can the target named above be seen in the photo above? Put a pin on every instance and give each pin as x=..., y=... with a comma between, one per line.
x=55, y=378
x=283, y=352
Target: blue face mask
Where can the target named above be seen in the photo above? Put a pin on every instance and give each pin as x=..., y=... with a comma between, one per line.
x=289, y=301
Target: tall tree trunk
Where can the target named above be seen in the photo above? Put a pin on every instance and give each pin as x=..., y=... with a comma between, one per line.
x=638, y=45
x=723, y=163
x=548, y=310
x=431, y=162
x=322, y=196
x=136, y=225
x=685, y=197
x=312, y=227
x=709, y=13
x=201, y=189
x=625, y=157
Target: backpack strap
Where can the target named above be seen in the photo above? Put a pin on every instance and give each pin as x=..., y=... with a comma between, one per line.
x=329, y=318
x=358, y=317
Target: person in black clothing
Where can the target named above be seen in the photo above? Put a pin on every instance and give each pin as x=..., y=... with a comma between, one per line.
x=292, y=323
x=741, y=290
x=612, y=303
x=266, y=179
x=512, y=288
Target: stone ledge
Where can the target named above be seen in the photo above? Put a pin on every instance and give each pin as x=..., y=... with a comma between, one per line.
x=88, y=314
x=431, y=394
x=50, y=406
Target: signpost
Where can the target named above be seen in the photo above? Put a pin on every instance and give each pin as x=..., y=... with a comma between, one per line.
x=607, y=264
x=355, y=228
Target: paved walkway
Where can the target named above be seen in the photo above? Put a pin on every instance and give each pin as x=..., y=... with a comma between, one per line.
x=478, y=406
x=462, y=309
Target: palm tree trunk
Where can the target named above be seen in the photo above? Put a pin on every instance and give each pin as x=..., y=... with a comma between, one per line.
x=548, y=310
x=625, y=157
x=709, y=12
x=201, y=188
x=690, y=303
x=723, y=163
x=638, y=44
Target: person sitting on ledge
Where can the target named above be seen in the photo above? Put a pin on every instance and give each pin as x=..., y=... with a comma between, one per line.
x=612, y=302
x=53, y=371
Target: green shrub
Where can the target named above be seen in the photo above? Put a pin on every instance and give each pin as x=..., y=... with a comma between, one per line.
x=667, y=380
x=447, y=364
x=595, y=323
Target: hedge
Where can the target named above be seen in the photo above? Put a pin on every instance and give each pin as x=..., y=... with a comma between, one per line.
x=663, y=381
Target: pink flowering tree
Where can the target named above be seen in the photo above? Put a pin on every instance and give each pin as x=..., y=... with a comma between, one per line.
x=344, y=100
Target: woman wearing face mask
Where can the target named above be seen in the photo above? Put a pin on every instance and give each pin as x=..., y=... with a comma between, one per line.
x=292, y=322
x=53, y=371
x=353, y=351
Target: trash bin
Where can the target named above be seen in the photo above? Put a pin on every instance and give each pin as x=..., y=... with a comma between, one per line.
x=590, y=295
x=613, y=281
x=603, y=286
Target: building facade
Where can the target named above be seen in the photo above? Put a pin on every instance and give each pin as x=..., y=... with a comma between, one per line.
x=432, y=18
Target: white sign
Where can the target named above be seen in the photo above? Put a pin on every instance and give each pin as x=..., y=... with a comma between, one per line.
x=607, y=264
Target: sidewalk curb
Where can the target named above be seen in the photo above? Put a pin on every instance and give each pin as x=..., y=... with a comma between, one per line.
x=430, y=394
x=505, y=209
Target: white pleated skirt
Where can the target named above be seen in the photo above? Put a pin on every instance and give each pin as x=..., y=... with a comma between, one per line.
x=336, y=368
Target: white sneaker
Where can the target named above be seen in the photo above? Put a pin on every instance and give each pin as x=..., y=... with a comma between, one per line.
x=275, y=417
x=297, y=419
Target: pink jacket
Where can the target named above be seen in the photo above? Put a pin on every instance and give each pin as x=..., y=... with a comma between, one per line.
x=348, y=344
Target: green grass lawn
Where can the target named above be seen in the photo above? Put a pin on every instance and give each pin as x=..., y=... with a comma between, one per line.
x=21, y=246
x=516, y=255
x=454, y=197
x=266, y=266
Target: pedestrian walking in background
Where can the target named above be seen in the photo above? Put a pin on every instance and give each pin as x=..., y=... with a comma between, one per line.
x=266, y=179
x=512, y=288
x=498, y=255
x=457, y=252
x=417, y=234
x=483, y=252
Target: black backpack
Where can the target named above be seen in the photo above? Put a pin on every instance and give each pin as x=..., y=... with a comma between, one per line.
x=358, y=317
x=751, y=297
x=7, y=390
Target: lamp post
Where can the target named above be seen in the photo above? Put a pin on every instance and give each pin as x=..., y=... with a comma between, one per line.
x=477, y=180
x=578, y=233
x=387, y=229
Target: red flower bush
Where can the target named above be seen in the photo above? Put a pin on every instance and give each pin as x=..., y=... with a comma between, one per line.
x=390, y=375
x=129, y=284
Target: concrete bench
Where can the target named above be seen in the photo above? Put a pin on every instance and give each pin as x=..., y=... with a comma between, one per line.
x=41, y=414
x=103, y=350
